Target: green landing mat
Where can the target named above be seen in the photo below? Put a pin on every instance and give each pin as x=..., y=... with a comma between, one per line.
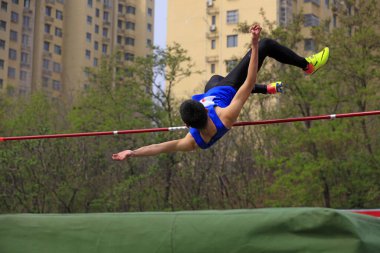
x=274, y=230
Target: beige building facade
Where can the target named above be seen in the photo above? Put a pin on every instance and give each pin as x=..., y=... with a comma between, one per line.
x=207, y=30
x=47, y=44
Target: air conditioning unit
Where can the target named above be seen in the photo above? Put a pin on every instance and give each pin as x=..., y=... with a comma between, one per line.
x=210, y=3
x=213, y=28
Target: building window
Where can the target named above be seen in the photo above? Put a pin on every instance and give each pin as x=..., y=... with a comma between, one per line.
x=327, y=3
x=48, y=11
x=4, y=6
x=120, y=8
x=13, y=35
x=1, y=64
x=88, y=37
x=23, y=75
x=104, y=48
x=57, y=67
x=230, y=64
x=131, y=10
x=47, y=28
x=334, y=21
x=25, y=40
x=95, y=62
x=309, y=45
x=130, y=25
x=129, y=56
x=106, y=16
x=3, y=25
x=232, y=17
x=2, y=44
x=149, y=42
x=232, y=40
x=12, y=54
x=89, y=3
x=59, y=15
x=119, y=39
x=213, y=44
x=212, y=68
x=88, y=54
x=310, y=20
x=46, y=64
x=57, y=49
x=89, y=20
x=149, y=27
x=11, y=72
x=26, y=21
x=46, y=46
x=45, y=81
x=130, y=41
x=27, y=4
x=105, y=32
x=213, y=20
x=316, y=2
x=15, y=1
x=56, y=85
x=119, y=24
x=97, y=12
x=96, y=29
x=96, y=46
x=24, y=58
x=58, y=32
x=1, y=83
x=150, y=12
x=14, y=17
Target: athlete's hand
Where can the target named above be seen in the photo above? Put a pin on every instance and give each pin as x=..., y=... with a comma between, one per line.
x=255, y=31
x=122, y=155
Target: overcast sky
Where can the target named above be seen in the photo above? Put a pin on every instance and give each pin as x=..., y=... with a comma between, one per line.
x=160, y=18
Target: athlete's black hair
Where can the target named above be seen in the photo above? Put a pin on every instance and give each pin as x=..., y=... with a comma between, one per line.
x=194, y=114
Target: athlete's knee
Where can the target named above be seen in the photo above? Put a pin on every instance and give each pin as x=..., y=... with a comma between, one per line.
x=267, y=43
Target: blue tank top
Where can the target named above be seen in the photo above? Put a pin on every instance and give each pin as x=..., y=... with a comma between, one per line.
x=218, y=96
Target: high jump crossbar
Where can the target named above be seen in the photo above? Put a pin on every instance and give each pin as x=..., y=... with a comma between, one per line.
x=166, y=129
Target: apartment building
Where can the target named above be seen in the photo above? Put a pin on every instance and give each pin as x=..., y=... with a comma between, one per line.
x=47, y=44
x=206, y=28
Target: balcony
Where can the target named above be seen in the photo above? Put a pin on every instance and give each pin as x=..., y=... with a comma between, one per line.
x=46, y=54
x=48, y=37
x=25, y=65
x=122, y=15
x=26, y=29
x=212, y=11
x=212, y=58
x=212, y=35
x=106, y=40
x=49, y=19
x=106, y=23
x=27, y=11
x=25, y=48
x=50, y=2
x=46, y=72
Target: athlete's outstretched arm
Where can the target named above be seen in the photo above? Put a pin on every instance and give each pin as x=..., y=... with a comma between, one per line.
x=185, y=144
x=231, y=113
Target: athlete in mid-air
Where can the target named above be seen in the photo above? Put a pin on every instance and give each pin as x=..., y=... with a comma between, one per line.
x=211, y=115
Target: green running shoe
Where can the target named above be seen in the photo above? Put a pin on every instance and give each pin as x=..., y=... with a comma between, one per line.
x=316, y=61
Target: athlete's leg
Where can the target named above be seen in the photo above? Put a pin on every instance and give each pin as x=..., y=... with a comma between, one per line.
x=267, y=47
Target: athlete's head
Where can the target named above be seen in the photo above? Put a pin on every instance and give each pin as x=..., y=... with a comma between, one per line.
x=193, y=114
